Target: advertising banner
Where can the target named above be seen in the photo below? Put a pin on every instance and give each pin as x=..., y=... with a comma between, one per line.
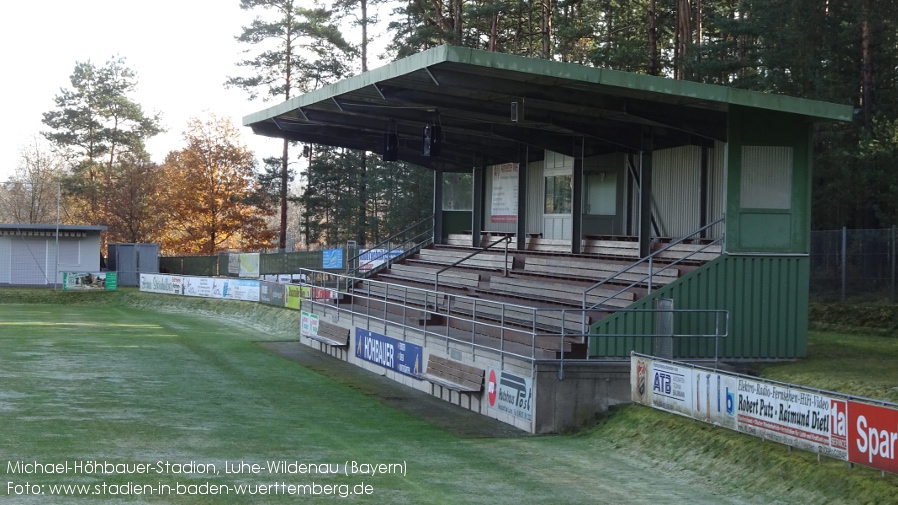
x=873, y=436
x=308, y=326
x=236, y=289
x=272, y=293
x=373, y=258
x=97, y=281
x=248, y=265
x=162, y=283
x=510, y=393
x=789, y=415
x=504, y=208
x=198, y=286
x=332, y=259
x=389, y=353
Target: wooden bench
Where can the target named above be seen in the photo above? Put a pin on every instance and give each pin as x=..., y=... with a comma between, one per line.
x=688, y=251
x=458, y=239
x=331, y=334
x=411, y=296
x=617, y=248
x=454, y=375
x=597, y=270
x=546, y=320
x=570, y=294
x=486, y=261
x=451, y=277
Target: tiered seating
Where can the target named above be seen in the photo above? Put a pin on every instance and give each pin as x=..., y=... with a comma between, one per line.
x=566, y=293
x=427, y=274
x=596, y=269
x=485, y=261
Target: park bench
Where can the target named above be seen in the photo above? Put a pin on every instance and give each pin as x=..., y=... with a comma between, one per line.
x=454, y=375
x=331, y=334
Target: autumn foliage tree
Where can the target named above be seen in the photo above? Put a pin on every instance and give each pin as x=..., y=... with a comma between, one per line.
x=210, y=193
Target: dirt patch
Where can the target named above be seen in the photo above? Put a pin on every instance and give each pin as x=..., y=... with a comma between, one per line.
x=451, y=418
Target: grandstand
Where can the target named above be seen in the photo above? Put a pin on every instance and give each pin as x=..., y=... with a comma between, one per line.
x=607, y=213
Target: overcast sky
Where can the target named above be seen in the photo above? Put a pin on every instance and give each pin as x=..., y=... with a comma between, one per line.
x=182, y=51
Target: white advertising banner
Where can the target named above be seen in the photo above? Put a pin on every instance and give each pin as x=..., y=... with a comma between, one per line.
x=205, y=287
x=789, y=415
x=162, y=283
x=504, y=208
x=510, y=393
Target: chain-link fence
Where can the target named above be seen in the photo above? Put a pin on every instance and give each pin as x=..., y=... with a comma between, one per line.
x=854, y=265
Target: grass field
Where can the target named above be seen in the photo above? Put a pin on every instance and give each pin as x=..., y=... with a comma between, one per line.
x=132, y=378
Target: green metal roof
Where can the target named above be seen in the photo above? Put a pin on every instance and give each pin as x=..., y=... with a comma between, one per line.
x=563, y=107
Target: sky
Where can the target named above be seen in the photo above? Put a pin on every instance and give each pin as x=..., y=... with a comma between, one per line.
x=182, y=52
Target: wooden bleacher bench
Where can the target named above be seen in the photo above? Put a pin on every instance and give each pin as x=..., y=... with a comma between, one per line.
x=487, y=261
x=570, y=294
x=596, y=270
x=331, y=334
x=617, y=248
x=451, y=277
x=548, y=321
x=682, y=250
x=398, y=293
x=454, y=375
x=460, y=239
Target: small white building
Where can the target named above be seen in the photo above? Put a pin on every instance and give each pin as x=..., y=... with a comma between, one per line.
x=28, y=252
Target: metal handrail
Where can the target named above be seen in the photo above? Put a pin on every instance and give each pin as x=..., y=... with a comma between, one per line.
x=401, y=301
x=650, y=260
x=389, y=241
x=506, y=239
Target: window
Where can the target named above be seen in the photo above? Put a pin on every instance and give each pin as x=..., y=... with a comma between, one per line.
x=558, y=194
x=458, y=191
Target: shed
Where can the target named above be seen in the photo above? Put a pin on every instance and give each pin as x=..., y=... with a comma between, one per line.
x=28, y=252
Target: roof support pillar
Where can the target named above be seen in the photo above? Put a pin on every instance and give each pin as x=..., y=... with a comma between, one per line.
x=645, y=192
x=577, y=203
x=438, y=205
x=477, y=211
x=521, y=231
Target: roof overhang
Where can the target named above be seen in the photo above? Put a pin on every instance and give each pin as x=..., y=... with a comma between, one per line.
x=488, y=105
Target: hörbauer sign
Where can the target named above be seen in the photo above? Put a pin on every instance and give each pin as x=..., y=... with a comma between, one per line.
x=390, y=353
x=793, y=416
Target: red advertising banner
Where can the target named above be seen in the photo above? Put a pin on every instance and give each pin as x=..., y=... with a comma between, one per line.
x=873, y=436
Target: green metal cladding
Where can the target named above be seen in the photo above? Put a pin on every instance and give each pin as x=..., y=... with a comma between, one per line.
x=766, y=296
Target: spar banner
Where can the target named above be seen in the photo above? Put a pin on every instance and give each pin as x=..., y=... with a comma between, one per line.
x=790, y=415
x=162, y=283
x=95, y=281
x=389, y=353
x=510, y=393
x=873, y=436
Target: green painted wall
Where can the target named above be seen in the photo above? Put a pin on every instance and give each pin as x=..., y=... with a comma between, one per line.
x=764, y=229
x=766, y=296
x=456, y=221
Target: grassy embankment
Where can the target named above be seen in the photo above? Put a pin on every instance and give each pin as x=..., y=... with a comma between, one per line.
x=130, y=377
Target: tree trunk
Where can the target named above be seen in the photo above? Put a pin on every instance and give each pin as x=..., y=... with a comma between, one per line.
x=653, y=40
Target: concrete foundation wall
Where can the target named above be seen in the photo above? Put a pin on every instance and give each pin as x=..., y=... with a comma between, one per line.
x=559, y=405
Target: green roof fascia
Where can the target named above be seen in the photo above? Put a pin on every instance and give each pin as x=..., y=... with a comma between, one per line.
x=565, y=71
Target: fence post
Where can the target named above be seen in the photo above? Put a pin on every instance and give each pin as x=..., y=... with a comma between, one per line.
x=892, y=246
x=844, y=260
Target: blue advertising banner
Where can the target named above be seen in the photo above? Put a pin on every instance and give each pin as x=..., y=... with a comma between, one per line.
x=332, y=259
x=390, y=353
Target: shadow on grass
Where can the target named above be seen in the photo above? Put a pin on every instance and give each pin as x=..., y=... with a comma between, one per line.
x=451, y=418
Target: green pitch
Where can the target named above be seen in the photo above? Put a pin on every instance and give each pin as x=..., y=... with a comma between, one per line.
x=115, y=400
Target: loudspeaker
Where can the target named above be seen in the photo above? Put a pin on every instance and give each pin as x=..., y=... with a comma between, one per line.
x=391, y=147
x=431, y=140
